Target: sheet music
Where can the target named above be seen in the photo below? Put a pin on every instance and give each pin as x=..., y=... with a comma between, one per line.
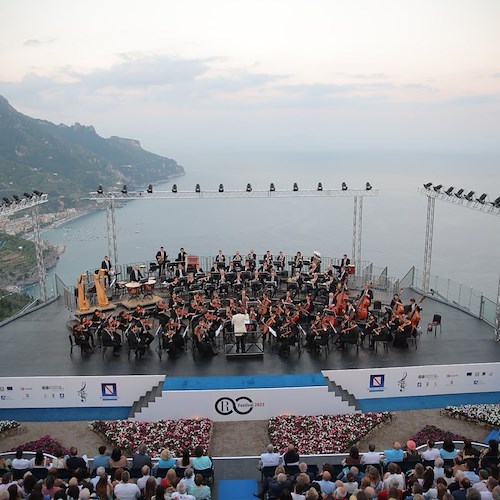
x=273, y=332
x=217, y=332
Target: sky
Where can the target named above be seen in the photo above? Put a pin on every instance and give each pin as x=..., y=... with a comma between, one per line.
x=265, y=75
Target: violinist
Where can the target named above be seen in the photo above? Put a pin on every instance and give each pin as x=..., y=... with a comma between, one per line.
x=136, y=341
x=267, y=323
x=172, y=340
x=287, y=299
x=306, y=309
x=82, y=336
x=202, y=339
x=381, y=333
x=145, y=331
x=264, y=303
x=139, y=312
x=111, y=338
x=349, y=335
x=370, y=326
x=402, y=333
x=320, y=333
x=267, y=263
x=315, y=328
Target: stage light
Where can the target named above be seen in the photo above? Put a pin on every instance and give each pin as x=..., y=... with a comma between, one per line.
x=469, y=195
x=100, y=190
x=124, y=189
x=7, y=201
x=221, y=188
x=496, y=203
x=449, y=190
x=28, y=196
x=438, y=187
x=16, y=198
x=368, y=186
x=428, y=185
x=150, y=189
x=174, y=188
x=249, y=188
x=197, y=189
x=272, y=188
x=459, y=193
x=482, y=198
x=344, y=186
x=295, y=186
x=39, y=193
x=320, y=186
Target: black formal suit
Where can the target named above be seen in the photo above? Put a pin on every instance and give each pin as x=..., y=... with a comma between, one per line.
x=161, y=258
x=136, y=275
x=107, y=266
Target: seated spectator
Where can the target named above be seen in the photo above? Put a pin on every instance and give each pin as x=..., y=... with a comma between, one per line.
x=370, y=493
x=265, y=484
x=416, y=489
x=76, y=463
x=145, y=475
x=468, y=451
x=340, y=493
x=374, y=475
x=461, y=491
x=20, y=463
x=302, y=484
x=270, y=458
x=126, y=490
x=102, y=459
x=431, y=453
x=149, y=488
x=141, y=458
x=448, y=450
x=372, y=457
x=118, y=460
x=483, y=477
x=416, y=476
x=291, y=456
x=353, y=458
x=428, y=480
x=198, y=490
x=438, y=468
x=185, y=460
x=170, y=480
x=99, y=472
x=188, y=478
x=490, y=456
x=303, y=469
x=103, y=487
x=491, y=485
x=326, y=484
x=394, y=454
x=8, y=480
x=458, y=464
x=393, y=492
x=167, y=461
x=412, y=455
x=470, y=472
x=394, y=477
x=49, y=486
x=200, y=460
x=351, y=485
x=39, y=460
x=439, y=489
x=448, y=475
x=59, y=462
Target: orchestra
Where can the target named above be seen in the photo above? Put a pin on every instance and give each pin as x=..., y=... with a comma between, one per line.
x=305, y=305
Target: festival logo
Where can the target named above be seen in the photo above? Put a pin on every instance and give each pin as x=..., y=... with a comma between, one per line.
x=227, y=406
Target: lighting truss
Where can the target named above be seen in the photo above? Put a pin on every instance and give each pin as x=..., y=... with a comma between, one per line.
x=24, y=203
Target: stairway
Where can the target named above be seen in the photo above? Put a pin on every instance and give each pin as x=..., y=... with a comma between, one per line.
x=343, y=394
x=146, y=400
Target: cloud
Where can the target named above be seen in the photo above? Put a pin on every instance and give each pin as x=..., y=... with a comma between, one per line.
x=33, y=42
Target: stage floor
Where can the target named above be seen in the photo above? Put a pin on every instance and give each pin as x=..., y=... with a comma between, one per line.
x=38, y=345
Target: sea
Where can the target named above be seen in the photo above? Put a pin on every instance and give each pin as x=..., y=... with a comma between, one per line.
x=466, y=243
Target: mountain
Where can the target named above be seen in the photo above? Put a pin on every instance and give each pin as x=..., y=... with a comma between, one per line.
x=69, y=161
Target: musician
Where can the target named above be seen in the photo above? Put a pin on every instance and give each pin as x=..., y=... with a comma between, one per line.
x=161, y=259
x=369, y=328
x=297, y=263
x=82, y=335
x=136, y=341
x=396, y=306
x=280, y=261
x=315, y=266
x=220, y=260
x=244, y=299
x=238, y=260
x=239, y=322
x=179, y=272
x=202, y=339
x=107, y=266
x=295, y=278
x=251, y=260
x=182, y=255
x=413, y=307
x=349, y=335
x=111, y=338
x=344, y=274
x=318, y=335
x=381, y=333
x=267, y=262
x=172, y=340
x=402, y=333
x=162, y=313
x=345, y=261
x=136, y=274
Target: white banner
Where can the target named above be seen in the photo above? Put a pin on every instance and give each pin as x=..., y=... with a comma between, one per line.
x=244, y=404
x=412, y=381
x=71, y=392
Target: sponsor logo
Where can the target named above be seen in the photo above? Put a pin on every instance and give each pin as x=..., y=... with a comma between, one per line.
x=241, y=406
x=377, y=383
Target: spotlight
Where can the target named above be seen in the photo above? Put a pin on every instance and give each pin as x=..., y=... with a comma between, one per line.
x=295, y=186
x=344, y=186
x=124, y=189
x=16, y=198
x=438, y=187
x=469, y=195
x=6, y=201
x=482, y=198
x=249, y=188
x=28, y=196
x=100, y=190
x=368, y=186
x=150, y=189
x=449, y=190
x=320, y=186
x=272, y=188
x=197, y=189
x=174, y=188
x=428, y=185
x=221, y=188
x=459, y=193
x=39, y=193
x=496, y=203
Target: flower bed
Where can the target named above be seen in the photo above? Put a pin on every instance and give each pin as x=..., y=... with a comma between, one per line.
x=434, y=433
x=8, y=425
x=46, y=443
x=172, y=434
x=323, y=433
x=484, y=414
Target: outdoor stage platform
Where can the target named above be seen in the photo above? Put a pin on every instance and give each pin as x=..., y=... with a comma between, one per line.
x=37, y=345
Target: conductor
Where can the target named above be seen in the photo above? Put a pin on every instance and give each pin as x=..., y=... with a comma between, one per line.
x=239, y=322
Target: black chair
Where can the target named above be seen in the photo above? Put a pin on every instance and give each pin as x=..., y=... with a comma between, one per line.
x=435, y=324
x=291, y=470
x=63, y=473
x=135, y=473
x=18, y=473
x=40, y=472
x=208, y=475
x=161, y=472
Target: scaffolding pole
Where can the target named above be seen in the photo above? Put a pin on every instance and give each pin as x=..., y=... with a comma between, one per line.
x=429, y=231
